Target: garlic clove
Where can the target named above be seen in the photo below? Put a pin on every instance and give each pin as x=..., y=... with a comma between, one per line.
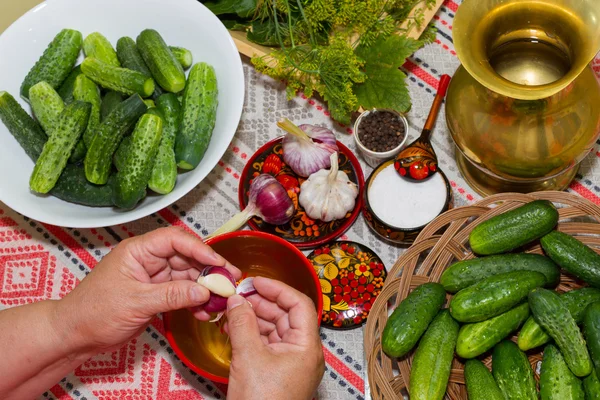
x=217, y=284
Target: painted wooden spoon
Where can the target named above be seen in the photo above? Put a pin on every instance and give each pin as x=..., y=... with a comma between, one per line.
x=418, y=160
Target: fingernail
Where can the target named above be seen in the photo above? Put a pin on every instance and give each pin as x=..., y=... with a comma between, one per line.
x=235, y=301
x=197, y=293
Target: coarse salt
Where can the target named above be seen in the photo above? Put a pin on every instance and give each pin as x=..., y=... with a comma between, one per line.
x=405, y=204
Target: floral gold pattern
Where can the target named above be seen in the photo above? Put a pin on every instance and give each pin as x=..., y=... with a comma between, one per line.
x=351, y=278
x=302, y=231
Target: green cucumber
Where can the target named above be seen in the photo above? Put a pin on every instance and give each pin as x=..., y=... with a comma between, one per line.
x=72, y=186
x=183, y=56
x=480, y=382
x=57, y=150
x=411, y=318
x=46, y=105
x=513, y=229
x=163, y=65
x=591, y=386
x=120, y=157
x=512, y=372
x=150, y=103
x=55, y=65
x=554, y=317
x=591, y=328
x=24, y=129
x=432, y=362
x=468, y=272
x=557, y=382
x=109, y=102
x=494, y=295
x=121, y=80
x=477, y=338
x=66, y=89
x=130, y=57
x=109, y=134
x=164, y=173
x=79, y=151
x=532, y=335
x=95, y=45
x=132, y=179
x=574, y=256
x=199, y=115
x=87, y=91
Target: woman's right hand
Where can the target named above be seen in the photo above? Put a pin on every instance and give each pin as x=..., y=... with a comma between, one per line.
x=276, y=347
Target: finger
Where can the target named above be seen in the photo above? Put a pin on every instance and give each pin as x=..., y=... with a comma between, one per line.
x=165, y=243
x=200, y=314
x=243, y=326
x=266, y=327
x=162, y=276
x=266, y=309
x=174, y=295
x=179, y=262
x=301, y=310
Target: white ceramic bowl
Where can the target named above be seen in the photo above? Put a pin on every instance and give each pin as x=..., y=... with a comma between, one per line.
x=374, y=158
x=184, y=23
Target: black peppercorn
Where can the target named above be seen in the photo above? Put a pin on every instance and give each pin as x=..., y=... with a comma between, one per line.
x=381, y=131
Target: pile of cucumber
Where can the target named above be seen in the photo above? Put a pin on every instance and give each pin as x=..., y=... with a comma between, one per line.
x=121, y=122
x=492, y=297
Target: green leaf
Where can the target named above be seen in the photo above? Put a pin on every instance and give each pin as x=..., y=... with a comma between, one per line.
x=243, y=8
x=385, y=86
x=234, y=25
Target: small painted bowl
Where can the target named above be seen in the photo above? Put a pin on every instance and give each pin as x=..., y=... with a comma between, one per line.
x=374, y=158
x=203, y=346
x=388, y=232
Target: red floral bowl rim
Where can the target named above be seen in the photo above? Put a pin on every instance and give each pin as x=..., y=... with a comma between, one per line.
x=307, y=263
x=333, y=235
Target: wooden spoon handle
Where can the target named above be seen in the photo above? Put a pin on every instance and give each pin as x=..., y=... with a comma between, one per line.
x=435, y=107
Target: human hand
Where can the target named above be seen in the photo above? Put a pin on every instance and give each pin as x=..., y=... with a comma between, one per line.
x=276, y=348
x=140, y=278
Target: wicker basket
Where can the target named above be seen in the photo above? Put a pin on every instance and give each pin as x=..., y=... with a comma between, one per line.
x=443, y=242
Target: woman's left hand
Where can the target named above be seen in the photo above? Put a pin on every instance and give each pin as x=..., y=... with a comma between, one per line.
x=140, y=278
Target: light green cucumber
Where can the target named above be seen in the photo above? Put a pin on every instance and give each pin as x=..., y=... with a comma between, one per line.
x=130, y=58
x=46, y=105
x=120, y=80
x=161, y=62
x=57, y=62
x=512, y=372
x=591, y=387
x=57, y=150
x=120, y=157
x=591, y=326
x=557, y=382
x=480, y=382
x=87, y=91
x=184, y=56
x=95, y=45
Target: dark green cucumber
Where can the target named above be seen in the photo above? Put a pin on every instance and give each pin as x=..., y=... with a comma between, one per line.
x=120, y=157
x=513, y=229
x=480, y=382
x=532, y=335
x=109, y=134
x=512, y=372
x=199, y=115
x=591, y=328
x=57, y=150
x=494, y=295
x=95, y=45
x=121, y=80
x=184, y=56
x=66, y=89
x=468, y=272
x=86, y=90
x=591, y=387
x=433, y=359
x=72, y=186
x=109, y=102
x=554, y=317
x=164, y=173
x=161, y=62
x=46, y=105
x=55, y=65
x=411, y=318
x=574, y=256
x=79, y=152
x=130, y=58
x=132, y=179
x=24, y=129
x=477, y=338
x=557, y=382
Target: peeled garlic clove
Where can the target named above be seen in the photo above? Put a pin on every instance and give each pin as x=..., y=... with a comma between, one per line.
x=217, y=284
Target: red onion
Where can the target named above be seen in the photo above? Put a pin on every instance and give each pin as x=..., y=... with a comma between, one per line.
x=268, y=200
x=307, y=148
x=222, y=285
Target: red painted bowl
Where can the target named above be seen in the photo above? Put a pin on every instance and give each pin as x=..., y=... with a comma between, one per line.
x=203, y=346
x=302, y=231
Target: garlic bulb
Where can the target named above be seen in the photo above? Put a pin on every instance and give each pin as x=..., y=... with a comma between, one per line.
x=328, y=195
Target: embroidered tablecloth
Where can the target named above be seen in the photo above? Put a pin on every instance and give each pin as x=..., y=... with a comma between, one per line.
x=40, y=261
